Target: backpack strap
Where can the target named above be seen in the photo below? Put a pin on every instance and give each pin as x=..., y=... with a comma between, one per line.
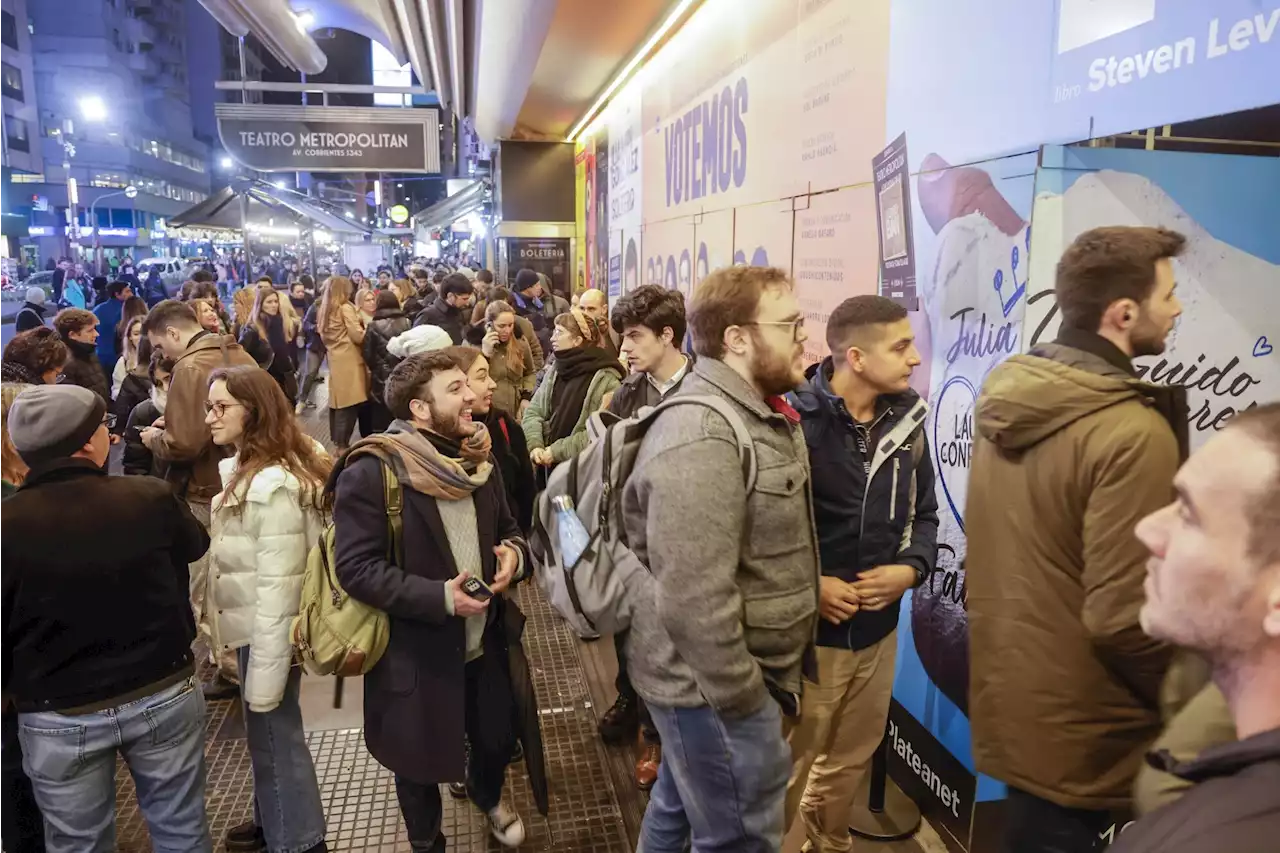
x=746, y=445
x=394, y=498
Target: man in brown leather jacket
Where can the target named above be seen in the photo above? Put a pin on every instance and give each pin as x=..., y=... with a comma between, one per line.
x=181, y=438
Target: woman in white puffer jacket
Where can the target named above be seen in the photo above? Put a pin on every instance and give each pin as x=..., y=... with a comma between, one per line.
x=268, y=515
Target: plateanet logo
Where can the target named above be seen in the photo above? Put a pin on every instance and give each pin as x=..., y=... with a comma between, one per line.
x=1083, y=22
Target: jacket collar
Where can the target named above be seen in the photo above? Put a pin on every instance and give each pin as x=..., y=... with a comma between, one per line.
x=1099, y=346
x=722, y=376
x=818, y=393
x=80, y=349
x=1225, y=759
x=62, y=469
x=205, y=340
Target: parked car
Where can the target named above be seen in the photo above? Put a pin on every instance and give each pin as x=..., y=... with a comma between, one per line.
x=173, y=272
x=16, y=291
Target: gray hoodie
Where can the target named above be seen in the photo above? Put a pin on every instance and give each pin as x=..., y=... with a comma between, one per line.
x=735, y=596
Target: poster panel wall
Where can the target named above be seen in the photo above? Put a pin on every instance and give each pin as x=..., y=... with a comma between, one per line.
x=835, y=257
x=713, y=234
x=669, y=250
x=1223, y=347
x=762, y=235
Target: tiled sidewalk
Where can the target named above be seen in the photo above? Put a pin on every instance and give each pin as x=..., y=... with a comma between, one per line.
x=359, y=795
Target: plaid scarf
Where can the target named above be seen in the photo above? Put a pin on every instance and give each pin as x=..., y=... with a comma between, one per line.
x=425, y=461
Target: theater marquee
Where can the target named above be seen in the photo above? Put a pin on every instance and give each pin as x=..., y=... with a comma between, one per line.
x=272, y=138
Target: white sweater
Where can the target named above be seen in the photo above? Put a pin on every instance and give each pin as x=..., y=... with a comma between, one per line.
x=257, y=561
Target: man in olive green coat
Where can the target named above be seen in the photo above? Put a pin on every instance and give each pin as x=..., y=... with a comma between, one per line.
x=1070, y=452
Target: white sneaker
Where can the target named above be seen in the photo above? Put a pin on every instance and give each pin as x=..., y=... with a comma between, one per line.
x=506, y=825
x=300, y=408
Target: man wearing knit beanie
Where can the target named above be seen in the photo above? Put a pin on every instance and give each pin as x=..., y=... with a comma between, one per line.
x=97, y=619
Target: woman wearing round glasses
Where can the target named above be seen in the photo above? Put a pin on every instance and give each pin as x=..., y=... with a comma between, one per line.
x=270, y=511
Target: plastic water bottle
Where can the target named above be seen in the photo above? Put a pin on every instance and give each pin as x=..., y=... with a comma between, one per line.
x=574, y=538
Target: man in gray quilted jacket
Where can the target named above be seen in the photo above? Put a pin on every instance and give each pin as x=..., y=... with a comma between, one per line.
x=717, y=651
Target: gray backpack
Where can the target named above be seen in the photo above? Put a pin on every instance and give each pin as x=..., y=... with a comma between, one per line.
x=597, y=595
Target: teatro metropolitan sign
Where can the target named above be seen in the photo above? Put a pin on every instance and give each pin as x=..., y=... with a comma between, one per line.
x=272, y=138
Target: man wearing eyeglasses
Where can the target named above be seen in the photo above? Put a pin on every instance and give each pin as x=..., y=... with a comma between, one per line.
x=181, y=438
x=717, y=644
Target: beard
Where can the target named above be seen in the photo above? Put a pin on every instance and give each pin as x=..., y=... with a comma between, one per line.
x=1147, y=339
x=451, y=425
x=773, y=372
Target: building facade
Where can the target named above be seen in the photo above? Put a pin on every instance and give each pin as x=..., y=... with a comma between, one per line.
x=114, y=111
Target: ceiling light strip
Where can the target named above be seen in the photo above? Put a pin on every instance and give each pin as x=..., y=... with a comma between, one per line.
x=625, y=74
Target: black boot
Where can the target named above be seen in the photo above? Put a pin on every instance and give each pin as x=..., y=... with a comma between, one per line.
x=621, y=722
x=245, y=838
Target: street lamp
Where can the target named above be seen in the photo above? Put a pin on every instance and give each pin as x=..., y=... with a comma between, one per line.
x=93, y=108
x=129, y=192
x=226, y=163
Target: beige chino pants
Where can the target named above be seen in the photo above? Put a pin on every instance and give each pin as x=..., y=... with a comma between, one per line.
x=841, y=723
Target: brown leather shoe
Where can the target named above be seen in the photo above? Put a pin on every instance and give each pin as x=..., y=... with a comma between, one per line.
x=647, y=765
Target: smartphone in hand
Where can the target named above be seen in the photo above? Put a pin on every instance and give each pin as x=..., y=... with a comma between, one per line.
x=477, y=589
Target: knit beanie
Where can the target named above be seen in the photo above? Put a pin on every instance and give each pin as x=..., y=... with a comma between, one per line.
x=36, y=295
x=526, y=279
x=50, y=422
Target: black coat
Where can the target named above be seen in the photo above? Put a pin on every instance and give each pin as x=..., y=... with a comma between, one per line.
x=135, y=388
x=414, y=698
x=137, y=459
x=452, y=320
x=862, y=526
x=387, y=324
x=96, y=599
x=281, y=369
x=83, y=369
x=512, y=454
x=30, y=317
x=1234, y=805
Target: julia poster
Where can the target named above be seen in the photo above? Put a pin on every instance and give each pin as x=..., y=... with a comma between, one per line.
x=971, y=233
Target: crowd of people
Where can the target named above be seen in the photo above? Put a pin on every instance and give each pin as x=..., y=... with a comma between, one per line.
x=1123, y=596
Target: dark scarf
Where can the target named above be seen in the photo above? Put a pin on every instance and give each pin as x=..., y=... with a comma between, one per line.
x=82, y=351
x=12, y=371
x=575, y=370
x=1169, y=400
x=279, y=344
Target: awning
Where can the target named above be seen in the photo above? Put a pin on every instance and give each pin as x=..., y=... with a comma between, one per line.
x=453, y=208
x=266, y=202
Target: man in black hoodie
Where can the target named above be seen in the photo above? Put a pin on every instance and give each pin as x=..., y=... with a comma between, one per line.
x=452, y=309
x=877, y=519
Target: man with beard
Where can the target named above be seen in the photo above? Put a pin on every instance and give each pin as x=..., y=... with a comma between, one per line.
x=444, y=681
x=716, y=646
x=596, y=306
x=451, y=310
x=877, y=519
x=1070, y=451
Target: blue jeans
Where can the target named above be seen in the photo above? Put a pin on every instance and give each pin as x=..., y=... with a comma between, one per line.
x=72, y=764
x=286, y=796
x=721, y=785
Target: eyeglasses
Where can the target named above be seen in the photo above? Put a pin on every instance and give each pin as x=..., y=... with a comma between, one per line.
x=109, y=421
x=796, y=326
x=219, y=409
